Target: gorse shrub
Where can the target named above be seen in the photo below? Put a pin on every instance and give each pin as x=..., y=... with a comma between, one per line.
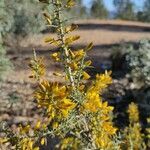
x=74, y=114
x=138, y=57
x=132, y=133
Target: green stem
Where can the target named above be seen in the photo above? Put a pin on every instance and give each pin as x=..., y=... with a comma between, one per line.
x=65, y=49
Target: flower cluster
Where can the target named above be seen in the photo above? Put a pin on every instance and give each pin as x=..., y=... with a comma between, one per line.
x=133, y=135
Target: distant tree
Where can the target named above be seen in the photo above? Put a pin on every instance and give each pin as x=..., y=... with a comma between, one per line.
x=140, y=16
x=144, y=15
x=147, y=11
x=98, y=10
x=124, y=9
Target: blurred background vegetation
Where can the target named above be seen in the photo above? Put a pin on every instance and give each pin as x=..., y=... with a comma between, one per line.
x=22, y=18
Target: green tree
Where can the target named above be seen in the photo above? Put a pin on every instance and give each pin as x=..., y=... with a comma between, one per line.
x=124, y=9
x=98, y=10
x=147, y=11
x=144, y=15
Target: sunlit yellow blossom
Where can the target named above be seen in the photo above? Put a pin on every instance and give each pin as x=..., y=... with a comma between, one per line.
x=133, y=112
x=103, y=141
x=86, y=75
x=73, y=65
x=55, y=125
x=102, y=81
x=38, y=125
x=26, y=144
x=24, y=130
x=105, y=108
x=65, y=106
x=53, y=97
x=56, y=56
x=108, y=127
x=133, y=135
x=79, y=54
x=88, y=63
x=43, y=141
x=93, y=102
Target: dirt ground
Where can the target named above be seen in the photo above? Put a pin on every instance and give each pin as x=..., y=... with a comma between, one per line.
x=16, y=93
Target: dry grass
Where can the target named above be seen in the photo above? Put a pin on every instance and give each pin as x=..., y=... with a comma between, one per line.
x=101, y=32
x=104, y=32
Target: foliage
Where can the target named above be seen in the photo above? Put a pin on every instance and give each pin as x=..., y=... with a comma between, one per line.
x=4, y=63
x=26, y=17
x=124, y=9
x=98, y=9
x=138, y=58
x=5, y=26
x=17, y=18
x=147, y=10
x=118, y=57
x=133, y=136
x=6, y=20
x=74, y=112
x=144, y=15
x=20, y=18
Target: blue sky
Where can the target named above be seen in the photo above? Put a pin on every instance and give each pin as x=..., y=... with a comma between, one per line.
x=109, y=3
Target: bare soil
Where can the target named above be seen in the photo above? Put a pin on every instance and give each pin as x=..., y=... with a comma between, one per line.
x=16, y=93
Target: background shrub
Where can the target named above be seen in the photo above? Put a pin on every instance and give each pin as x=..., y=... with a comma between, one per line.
x=138, y=58
x=5, y=64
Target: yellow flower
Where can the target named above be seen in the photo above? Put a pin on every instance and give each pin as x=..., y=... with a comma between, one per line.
x=74, y=66
x=55, y=125
x=65, y=106
x=133, y=112
x=56, y=56
x=88, y=63
x=93, y=102
x=38, y=125
x=53, y=97
x=86, y=76
x=24, y=130
x=108, y=127
x=105, y=108
x=102, y=81
x=43, y=141
x=26, y=144
x=79, y=54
